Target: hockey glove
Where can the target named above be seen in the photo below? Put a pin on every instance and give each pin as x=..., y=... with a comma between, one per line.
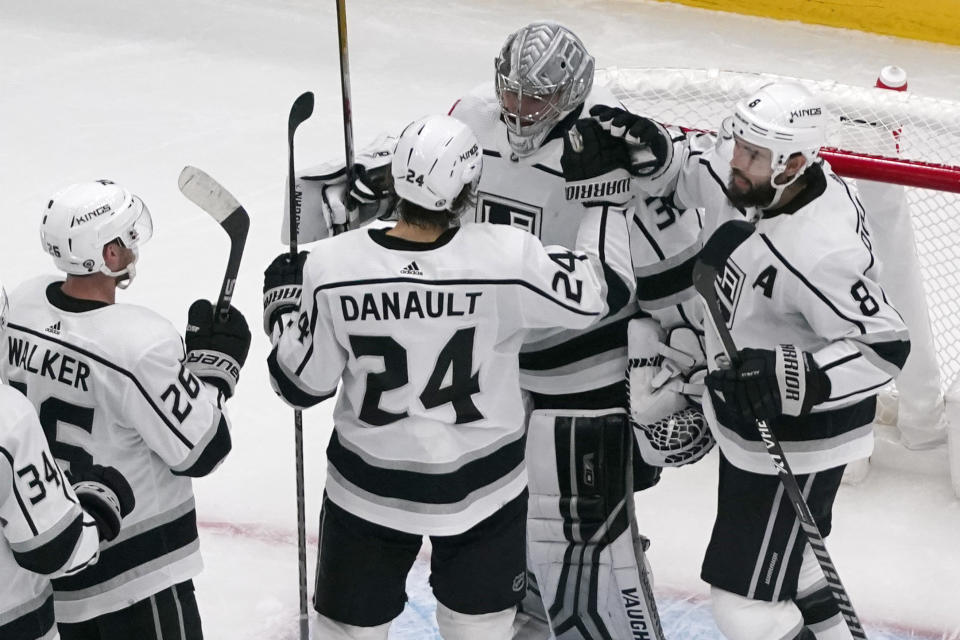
x=282, y=283
x=216, y=350
x=770, y=383
x=595, y=165
x=104, y=494
x=369, y=187
x=649, y=143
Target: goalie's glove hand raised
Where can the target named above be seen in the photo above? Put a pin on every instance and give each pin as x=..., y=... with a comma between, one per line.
x=282, y=284
x=216, y=350
x=595, y=165
x=649, y=144
x=770, y=383
x=104, y=494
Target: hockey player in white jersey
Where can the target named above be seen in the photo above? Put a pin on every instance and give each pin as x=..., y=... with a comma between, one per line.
x=817, y=340
x=113, y=385
x=52, y=524
x=422, y=323
x=543, y=83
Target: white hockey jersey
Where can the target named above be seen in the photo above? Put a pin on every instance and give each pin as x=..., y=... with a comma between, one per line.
x=45, y=532
x=429, y=422
x=109, y=386
x=529, y=193
x=808, y=278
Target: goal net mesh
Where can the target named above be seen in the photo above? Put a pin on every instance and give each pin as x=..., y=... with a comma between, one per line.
x=919, y=136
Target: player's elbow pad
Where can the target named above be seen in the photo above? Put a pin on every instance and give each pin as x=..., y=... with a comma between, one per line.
x=203, y=460
x=53, y=555
x=292, y=393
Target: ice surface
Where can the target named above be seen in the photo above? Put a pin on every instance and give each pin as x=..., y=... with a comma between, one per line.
x=136, y=90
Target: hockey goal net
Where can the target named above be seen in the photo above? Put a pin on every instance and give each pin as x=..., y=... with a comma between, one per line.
x=903, y=150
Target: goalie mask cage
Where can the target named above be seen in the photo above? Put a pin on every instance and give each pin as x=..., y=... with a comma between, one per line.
x=881, y=139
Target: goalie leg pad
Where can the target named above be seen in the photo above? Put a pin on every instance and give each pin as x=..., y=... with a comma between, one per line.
x=583, y=541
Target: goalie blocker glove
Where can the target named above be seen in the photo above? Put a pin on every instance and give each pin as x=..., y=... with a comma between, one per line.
x=369, y=186
x=649, y=145
x=282, y=285
x=769, y=383
x=595, y=166
x=103, y=493
x=216, y=351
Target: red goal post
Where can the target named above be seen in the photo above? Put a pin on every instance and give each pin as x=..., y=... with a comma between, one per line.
x=903, y=151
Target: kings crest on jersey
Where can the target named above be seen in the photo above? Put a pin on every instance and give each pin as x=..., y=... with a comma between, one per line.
x=530, y=193
x=808, y=278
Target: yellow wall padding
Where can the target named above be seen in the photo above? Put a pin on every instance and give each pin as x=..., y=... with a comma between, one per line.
x=932, y=20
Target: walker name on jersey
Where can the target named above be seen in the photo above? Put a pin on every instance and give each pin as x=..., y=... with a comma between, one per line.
x=499, y=210
x=396, y=305
x=48, y=363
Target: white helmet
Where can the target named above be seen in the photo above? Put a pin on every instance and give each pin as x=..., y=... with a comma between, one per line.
x=548, y=73
x=435, y=158
x=80, y=219
x=784, y=117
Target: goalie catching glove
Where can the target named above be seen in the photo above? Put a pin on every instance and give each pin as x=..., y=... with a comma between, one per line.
x=664, y=384
x=769, y=383
x=216, y=350
x=649, y=144
x=104, y=494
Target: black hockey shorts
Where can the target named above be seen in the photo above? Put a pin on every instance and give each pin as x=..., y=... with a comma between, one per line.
x=171, y=614
x=362, y=567
x=757, y=545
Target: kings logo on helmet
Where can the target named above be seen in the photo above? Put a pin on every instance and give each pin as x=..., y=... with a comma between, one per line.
x=78, y=220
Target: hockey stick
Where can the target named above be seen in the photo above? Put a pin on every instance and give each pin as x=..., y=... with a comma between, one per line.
x=209, y=195
x=347, y=110
x=301, y=109
x=706, y=271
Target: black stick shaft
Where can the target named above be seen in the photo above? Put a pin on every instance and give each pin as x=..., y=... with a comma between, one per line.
x=301, y=110
x=704, y=277
x=347, y=105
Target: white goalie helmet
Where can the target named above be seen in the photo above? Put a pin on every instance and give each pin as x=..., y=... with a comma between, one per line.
x=435, y=159
x=543, y=72
x=784, y=117
x=81, y=219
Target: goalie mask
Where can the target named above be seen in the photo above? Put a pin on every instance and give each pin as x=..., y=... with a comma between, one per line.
x=543, y=73
x=436, y=162
x=787, y=119
x=81, y=219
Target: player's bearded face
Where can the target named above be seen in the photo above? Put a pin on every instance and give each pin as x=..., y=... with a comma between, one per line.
x=750, y=172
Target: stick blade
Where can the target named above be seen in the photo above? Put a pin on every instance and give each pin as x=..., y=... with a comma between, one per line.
x=300, y=110
x=207, y=193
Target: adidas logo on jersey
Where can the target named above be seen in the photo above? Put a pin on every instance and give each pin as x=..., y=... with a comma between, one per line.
x=411, y=270
x=54, y=328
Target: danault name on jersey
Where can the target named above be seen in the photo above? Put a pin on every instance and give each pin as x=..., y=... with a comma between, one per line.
x=397, y=305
